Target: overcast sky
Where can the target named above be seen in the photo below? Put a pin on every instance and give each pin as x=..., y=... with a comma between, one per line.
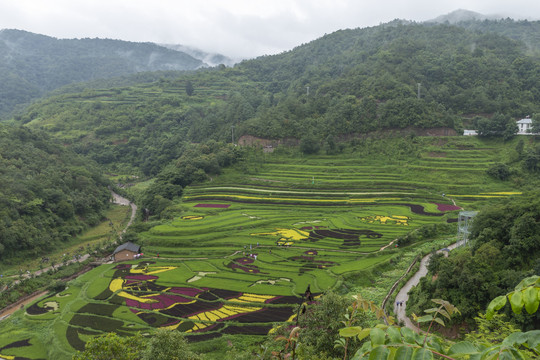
x=236, y=28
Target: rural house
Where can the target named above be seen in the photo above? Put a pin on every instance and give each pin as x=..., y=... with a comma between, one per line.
x=524, y=126
x=126, y=251
x=470, y=132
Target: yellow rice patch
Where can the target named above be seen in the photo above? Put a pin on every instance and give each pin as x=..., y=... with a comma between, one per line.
x=396, y=219
x=226, y=311
x=118, y=284
x=342, y=201
x=504, y=193
x=192, y=217
x=291, y=234
x=155, y=270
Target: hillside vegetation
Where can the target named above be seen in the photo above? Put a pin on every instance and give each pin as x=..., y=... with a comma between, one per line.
x=237, y=252
x=505, y=248
x=239, y=238
x=32, y=65
x=402, y=76
x=48, y=194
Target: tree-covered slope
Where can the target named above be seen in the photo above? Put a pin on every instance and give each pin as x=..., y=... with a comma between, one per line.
x=462, y=71
x=142, y=127
x=349, y=82
x=48, y=193
x=32, y=64
x=525, y=31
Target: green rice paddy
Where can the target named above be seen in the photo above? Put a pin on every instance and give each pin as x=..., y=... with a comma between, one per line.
x=241, y=255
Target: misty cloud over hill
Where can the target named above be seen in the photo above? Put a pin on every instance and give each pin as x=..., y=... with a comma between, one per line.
x=32, y=64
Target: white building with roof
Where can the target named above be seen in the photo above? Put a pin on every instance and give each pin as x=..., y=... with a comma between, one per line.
x=524, y=126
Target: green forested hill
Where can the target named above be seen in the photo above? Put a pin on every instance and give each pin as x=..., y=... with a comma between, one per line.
x=32, y=64
x=525, y=31
x=357, y=81
x=48, y=193
x=462, y=71
x=145, y=126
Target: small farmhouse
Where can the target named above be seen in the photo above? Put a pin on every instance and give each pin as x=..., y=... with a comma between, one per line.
x=126, y=251
x=524, y=126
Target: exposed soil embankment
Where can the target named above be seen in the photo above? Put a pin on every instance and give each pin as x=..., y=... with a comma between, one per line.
x=249, y=140
x=10, y=309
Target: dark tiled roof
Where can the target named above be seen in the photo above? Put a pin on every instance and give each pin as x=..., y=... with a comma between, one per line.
x=128, y=246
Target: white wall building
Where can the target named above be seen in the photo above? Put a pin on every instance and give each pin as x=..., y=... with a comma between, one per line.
x=525, y=126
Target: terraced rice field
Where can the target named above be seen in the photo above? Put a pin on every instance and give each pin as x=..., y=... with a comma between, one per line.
x=241, y=255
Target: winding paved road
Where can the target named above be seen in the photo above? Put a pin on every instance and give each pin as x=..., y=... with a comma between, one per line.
x=403, y=294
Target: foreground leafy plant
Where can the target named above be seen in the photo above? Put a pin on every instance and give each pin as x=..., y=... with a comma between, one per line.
x=526, y=294
x=291, y=342
x=445, y=309
x=392, y=342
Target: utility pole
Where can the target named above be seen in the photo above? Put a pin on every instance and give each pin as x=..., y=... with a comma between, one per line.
x=307, y=88
x=419, y=90
x=232, y=133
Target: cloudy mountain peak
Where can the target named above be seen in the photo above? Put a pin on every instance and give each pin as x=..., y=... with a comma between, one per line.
x=463, y=15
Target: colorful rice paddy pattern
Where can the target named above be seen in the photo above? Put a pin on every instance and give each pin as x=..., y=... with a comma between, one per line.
x=192, y=310
x=241, y=256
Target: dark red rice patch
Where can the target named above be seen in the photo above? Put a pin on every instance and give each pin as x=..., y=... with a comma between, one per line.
x=96, y=322
x=251, y=330
x=35, y=309
x=418, y=209
x=447, y=207
x=72, y=336
x=218, y=206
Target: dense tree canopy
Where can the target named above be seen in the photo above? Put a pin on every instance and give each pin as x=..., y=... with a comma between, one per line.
x=395, y=75
x=48, y=193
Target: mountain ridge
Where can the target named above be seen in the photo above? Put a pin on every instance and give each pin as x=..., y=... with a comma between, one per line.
x=33, y=64
x=460, y=15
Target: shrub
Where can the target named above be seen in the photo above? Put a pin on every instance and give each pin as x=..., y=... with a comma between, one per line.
x=499, y=171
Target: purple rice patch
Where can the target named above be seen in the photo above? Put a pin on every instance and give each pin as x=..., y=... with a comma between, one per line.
x=218, y=206
x=447, y=207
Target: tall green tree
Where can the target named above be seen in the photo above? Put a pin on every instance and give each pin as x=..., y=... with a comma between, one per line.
x=168, y=344
x=112, y=346
x=189, y=88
